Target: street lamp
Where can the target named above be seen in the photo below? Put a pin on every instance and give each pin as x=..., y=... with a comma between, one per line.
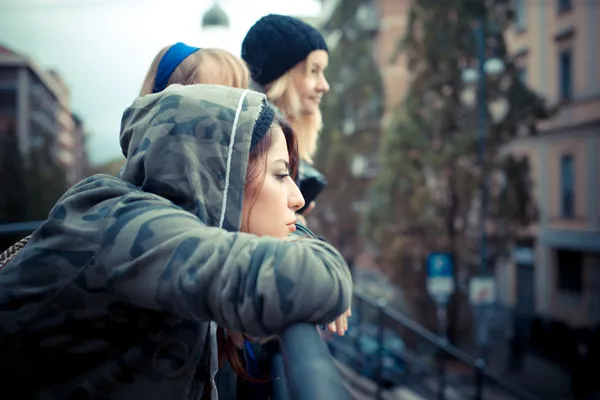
x=498, y=109
x=215, y=17
x=215, y=29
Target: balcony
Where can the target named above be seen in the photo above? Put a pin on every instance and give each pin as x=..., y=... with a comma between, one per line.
x=40, y=98
x=41, y=119
x=66, y=140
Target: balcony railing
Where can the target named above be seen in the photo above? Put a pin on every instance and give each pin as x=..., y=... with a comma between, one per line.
x=415, y=357
x=304, y=370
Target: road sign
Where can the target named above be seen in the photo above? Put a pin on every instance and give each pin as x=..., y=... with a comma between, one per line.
x=482, y=290
x=440, y=276
x=524, y=255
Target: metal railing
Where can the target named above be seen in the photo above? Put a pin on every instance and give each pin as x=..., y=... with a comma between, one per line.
x=303, y=369
x=19, y=228
x=428, y=359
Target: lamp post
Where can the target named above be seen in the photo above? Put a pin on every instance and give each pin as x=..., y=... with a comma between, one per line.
x=215, y=17
x=215, y=29
x=486, y=67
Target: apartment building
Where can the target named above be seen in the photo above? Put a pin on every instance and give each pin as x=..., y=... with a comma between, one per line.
x=556, y=49
x=35, y=113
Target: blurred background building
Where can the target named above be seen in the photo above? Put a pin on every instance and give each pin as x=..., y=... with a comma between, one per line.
x=36, y=114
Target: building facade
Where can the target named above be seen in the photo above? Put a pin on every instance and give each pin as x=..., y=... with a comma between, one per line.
x=35, y=114
x=556, y=50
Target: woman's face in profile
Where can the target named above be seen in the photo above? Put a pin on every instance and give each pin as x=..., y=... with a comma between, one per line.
x=271, y=201
x=311, y=83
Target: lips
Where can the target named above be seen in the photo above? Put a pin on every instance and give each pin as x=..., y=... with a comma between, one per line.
x=292, y=227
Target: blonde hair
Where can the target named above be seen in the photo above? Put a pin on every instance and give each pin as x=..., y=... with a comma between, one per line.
x=208, y=66
x=282, y=92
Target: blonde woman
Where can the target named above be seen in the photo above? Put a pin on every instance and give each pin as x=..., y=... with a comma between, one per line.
x=188, y=65
x=287, y=59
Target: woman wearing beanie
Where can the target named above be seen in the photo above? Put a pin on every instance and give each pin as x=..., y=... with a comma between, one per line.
x=287, y=59
x=187, y=65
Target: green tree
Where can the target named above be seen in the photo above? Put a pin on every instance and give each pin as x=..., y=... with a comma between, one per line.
x=29, y=188
x=351, y=114
x=45, y=183
x=427, y=195
x=111, y=167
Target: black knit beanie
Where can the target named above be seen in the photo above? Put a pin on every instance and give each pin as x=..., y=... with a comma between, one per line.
x=262, y=124
x=276, y=43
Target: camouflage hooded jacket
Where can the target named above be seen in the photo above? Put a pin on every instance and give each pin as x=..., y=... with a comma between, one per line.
x=114, y=295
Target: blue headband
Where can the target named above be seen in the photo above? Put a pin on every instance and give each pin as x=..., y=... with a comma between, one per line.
x=172, y=58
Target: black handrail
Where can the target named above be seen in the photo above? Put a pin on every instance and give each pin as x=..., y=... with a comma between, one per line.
x=15, y=228
x=309, y=369
x=478, y=365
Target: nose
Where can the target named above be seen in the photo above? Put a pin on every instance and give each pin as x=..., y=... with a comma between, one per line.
x=295, y=198
x=323, y=85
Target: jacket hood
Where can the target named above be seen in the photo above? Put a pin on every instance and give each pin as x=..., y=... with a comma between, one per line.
x=190, y=145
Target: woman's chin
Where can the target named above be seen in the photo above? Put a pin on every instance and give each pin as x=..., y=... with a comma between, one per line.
x=310, y=109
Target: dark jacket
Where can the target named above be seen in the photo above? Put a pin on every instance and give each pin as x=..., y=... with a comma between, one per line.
x=119, y=293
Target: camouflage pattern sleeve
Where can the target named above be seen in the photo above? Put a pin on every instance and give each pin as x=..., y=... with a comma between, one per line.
x=157, y=256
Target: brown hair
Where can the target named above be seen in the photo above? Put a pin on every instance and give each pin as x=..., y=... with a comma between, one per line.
x=258, y=153
x=209, y=66
x=284, y=95
x=256, y=169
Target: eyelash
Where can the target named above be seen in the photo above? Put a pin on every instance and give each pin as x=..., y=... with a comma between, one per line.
x=281, y=177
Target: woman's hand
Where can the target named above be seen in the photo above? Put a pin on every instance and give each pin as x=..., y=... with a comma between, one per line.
x=340, y=325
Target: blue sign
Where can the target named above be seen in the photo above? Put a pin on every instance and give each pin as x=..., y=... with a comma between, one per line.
x=440, y=265
x=440, y=282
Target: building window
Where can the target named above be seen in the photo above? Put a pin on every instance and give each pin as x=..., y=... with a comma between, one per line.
x=565, y=68
x=564, y=5
x=520, y=15
x=8, y=100
x=522, y=75
x=569, y=271
x=8, y=75
x=567, y=186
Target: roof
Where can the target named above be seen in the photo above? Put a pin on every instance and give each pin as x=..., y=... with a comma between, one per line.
x=11, y=58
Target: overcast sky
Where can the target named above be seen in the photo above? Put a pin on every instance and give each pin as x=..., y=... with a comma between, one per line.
x=103, y=48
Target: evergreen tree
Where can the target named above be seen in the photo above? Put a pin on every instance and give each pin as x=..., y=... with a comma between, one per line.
x=30, y=187
x=427, y=195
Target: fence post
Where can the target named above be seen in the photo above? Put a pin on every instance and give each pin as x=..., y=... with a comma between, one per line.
x=441, y=353
x=357, y=327
x=381, y=304
x=479, y=367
